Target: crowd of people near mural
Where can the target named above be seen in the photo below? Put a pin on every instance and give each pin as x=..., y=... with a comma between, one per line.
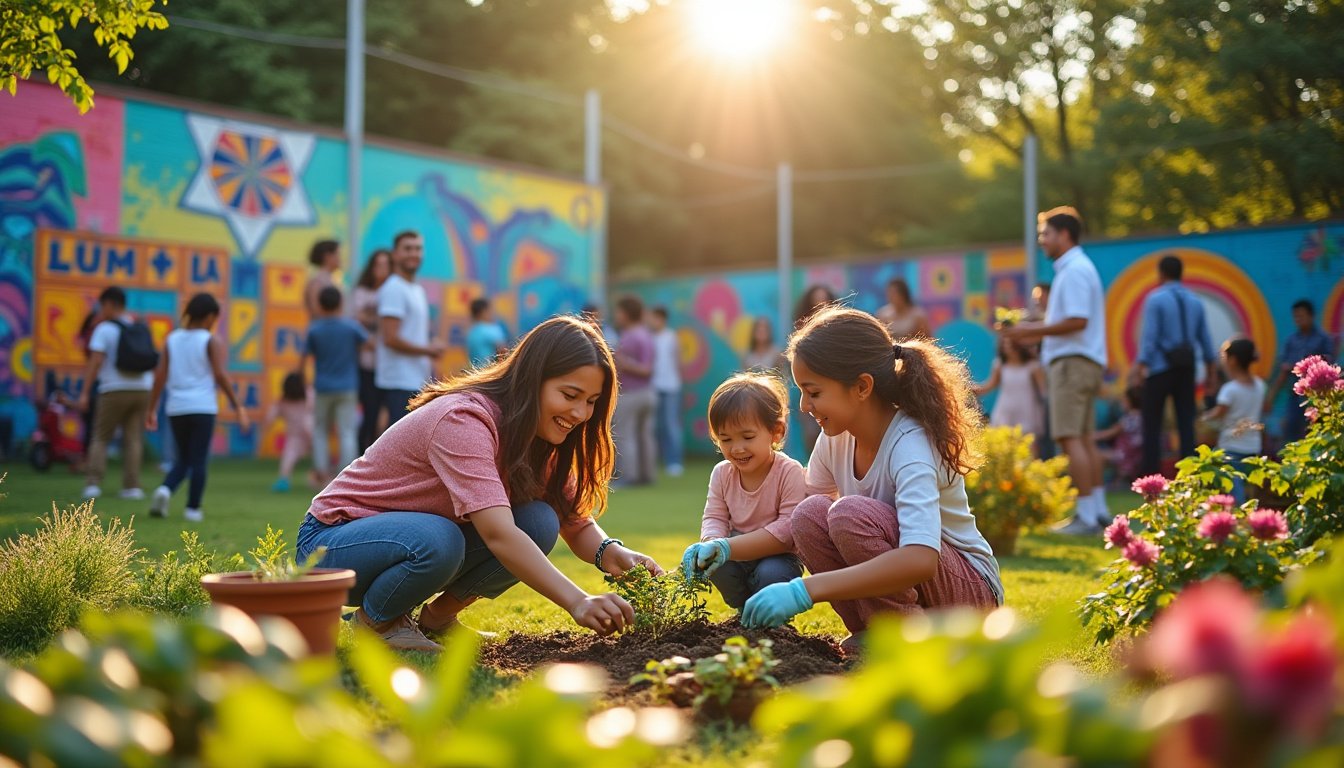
x=451, y=486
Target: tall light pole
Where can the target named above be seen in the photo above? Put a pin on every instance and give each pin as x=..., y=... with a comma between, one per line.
x=592, y=175
x=784, y=243
x=1029, y=209
x=354, y=124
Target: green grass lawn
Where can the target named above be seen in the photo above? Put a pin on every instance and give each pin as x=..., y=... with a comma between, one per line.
x=1048, y=573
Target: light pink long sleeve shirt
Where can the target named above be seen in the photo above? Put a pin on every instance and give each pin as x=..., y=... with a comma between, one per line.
x=729, y=509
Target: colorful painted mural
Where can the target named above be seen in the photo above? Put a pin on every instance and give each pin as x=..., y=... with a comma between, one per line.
x=167, y=201
x=1247, y=280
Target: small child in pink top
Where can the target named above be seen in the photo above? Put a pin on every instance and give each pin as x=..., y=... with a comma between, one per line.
x=746, y=539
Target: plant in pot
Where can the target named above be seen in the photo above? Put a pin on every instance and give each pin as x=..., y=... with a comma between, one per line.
x=1012, y=490
x=728, y=685
x=310, y=598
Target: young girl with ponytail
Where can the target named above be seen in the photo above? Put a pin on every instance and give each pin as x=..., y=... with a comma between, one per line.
x=886, y=526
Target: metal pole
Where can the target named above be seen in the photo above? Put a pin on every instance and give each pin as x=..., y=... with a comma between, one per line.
x=784, y=244
x=354, y=124
x=1029, y=209
x=592, y=175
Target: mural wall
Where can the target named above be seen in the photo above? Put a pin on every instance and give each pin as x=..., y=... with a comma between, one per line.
x=167, y=201
x=1247, y=280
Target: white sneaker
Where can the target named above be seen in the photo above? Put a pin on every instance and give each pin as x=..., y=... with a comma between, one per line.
x=158, y=503
x=193, y=515
x=91, y=492
x=675, y=470
x=132, y=494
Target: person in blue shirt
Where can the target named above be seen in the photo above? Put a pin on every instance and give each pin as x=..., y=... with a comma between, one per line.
x=487, y=339
x=1174, y=340
x=334, y=342
x=1307, y=341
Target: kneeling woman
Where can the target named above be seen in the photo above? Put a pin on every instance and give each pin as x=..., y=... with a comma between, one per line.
x=466, y=494
x=888, y=526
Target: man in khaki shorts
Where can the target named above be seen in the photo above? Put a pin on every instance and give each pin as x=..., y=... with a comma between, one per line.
x=1073, y=349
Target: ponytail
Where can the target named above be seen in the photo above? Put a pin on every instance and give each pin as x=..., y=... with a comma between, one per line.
x=916, y=376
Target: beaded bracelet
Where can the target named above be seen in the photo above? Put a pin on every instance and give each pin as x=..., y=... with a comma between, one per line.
x=597, y=560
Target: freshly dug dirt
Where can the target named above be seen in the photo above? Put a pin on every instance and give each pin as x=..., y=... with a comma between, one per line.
x=801, y=656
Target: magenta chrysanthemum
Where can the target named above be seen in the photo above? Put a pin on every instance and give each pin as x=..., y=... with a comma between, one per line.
x=1319, y=376
x=1267, y=524
x=1305, y=363
x=1118, y=533
x=1150, y=487
x=1217, y=526
x=1141, y=553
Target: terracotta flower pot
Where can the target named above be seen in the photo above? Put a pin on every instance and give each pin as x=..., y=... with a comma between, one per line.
x=311, y=603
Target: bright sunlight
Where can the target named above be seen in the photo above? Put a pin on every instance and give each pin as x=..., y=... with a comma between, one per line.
x=740, y=29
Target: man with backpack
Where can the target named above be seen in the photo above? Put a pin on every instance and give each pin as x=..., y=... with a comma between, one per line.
x=1174, y=341
x=122, y=359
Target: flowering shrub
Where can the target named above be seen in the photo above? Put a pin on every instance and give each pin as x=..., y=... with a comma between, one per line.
x=1184, y=534
x=1011, y=490
x=1311, y=470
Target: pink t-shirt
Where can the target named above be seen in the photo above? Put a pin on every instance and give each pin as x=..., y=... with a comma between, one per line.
x=729, y=509
x=441, y=459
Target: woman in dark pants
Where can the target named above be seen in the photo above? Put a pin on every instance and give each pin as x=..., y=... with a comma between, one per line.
x=365, y=305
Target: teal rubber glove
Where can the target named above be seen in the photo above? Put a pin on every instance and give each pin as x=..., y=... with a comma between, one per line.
x=774, y=605
x=702, y=559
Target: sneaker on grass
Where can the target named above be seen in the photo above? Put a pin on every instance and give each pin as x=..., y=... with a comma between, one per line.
x=193, y=515
x=400, y=633
x=91, y=492
x=158, y=503
x=132, y=494
x=1076, y=526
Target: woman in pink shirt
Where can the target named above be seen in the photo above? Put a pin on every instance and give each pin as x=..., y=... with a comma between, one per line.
x=466, y=494
x=746, y=537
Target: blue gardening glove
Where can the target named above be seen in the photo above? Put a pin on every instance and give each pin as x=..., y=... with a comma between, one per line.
x=704, y=558
x=774, y=605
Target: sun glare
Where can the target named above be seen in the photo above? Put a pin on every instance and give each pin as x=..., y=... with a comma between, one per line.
x=739, y=29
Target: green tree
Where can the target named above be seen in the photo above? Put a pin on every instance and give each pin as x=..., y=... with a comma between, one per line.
x=31, y=38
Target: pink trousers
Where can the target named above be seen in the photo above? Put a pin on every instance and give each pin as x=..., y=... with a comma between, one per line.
x=831, y=535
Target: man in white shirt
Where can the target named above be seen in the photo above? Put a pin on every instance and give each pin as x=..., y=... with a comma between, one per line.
x=123, y=400
x=405, y=356
x=1073, y=349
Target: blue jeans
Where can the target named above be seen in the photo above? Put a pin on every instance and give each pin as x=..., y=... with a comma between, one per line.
x=394, y=400
x=737, y=581
x=401, y=559
x=667, y=426
x=1238, y=484
x=192, y=434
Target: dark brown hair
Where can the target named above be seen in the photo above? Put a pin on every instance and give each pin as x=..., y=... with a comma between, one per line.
x=320, y=249
x=572, y=477
x=928, y=384
x=366, y=277
x=293, y=389
x=405, y=234
x=1065, y=218
x=805, y=308
x=751, y=395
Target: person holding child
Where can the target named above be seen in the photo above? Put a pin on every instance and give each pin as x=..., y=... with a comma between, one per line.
x=887, y=526
x=334, y=342
x=190, y=370
x=746, y=539
x=465, y=496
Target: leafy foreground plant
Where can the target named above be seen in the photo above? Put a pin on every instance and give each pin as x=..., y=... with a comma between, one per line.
x=1311, y=470
x=172, y=584
x=739, y=675
x=1011, y=490
x=662, y=602
x=1187, y=531
x=224, y=691
x=50, y=577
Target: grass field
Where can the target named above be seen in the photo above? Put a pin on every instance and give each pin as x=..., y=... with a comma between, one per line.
x=1048, y=573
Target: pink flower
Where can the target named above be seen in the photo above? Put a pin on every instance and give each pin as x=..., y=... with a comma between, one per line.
x=1305, y=363
x=1319, y=376
x=1118, y=533
x=1221, y=500
x=1141, y=553
x=1267, y=524
x=1150, y=487
x=1208, y=629
x=1217, y=526
x=1313, y=414
x=1292, y=677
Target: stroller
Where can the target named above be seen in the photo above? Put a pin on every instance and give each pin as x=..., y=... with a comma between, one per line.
x=56, y=438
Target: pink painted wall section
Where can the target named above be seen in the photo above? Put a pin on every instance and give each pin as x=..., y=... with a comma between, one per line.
x=43, y=111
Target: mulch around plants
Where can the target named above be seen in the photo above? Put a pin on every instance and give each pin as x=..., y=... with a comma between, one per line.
x=801, y=657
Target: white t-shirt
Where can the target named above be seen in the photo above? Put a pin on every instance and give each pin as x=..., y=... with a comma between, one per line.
x=191, y=378
x=1076, y=292
x=666, y=361
x=105, y=339
x=407, y=302
x=1241, y=430
x=931, y=504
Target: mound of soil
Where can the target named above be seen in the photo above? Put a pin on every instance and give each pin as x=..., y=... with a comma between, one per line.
x=800, y=656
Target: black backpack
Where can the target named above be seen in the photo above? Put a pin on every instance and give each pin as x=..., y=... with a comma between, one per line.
x=135, y=348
